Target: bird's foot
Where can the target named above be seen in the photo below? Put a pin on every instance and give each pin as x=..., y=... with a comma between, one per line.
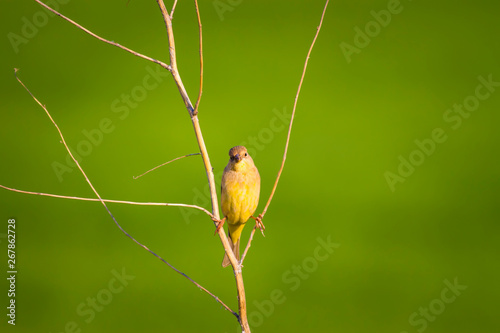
x=220, y=223
x=259, y=224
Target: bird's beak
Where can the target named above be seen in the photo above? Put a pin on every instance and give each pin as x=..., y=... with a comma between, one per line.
x=237, y=158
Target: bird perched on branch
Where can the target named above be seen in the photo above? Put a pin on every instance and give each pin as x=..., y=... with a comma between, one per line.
x=240, y=196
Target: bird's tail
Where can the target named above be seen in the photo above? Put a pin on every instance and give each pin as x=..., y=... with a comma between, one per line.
x=236, y=250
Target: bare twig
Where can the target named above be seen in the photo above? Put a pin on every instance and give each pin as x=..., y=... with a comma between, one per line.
x=156, y=167
x=293, y=112
x=109, y=200
x=172, y=11
x=248, y=244
x=107, y=209
x=162, y=64
x=201, y=59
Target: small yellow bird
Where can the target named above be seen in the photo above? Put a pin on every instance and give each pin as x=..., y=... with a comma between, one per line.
x=240, y=195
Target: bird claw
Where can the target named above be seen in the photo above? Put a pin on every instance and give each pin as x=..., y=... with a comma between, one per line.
x=219, y=225
x=259, y=224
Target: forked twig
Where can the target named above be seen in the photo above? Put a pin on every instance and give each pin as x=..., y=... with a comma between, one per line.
x=158, y=166
x=293, y=112
x=107, y=209
x=173, y=9
x=162, y=64
x=206, y=159
x=173, y=58
x=242, y=317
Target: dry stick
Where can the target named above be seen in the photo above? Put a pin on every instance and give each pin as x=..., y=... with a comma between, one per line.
x=172, y=11
x=293, y=112
x=242, y=318
x=201, y=58
x=156, y=167
x=110, y=200
x=162, y=64
x=248, y=244
x=105, y=206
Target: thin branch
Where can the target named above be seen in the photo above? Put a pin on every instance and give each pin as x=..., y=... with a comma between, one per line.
x=293, y=112
x=248, y=244
x=201, y=59
x=172, y=11
x=173, y=59
x=156, y=167
x=109, y=200
x=107, y=209
x=162, y=64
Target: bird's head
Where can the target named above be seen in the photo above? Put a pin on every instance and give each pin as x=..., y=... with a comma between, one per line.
x=239, y=158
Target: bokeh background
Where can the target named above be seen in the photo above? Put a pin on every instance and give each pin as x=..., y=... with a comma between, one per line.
x=395, y=247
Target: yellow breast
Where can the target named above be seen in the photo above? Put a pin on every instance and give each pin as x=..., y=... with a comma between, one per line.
x=240, y=194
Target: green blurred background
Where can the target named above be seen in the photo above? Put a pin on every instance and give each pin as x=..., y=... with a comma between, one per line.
x=397, y=248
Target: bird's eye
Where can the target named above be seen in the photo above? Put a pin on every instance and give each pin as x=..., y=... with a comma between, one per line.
x=246, y=154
